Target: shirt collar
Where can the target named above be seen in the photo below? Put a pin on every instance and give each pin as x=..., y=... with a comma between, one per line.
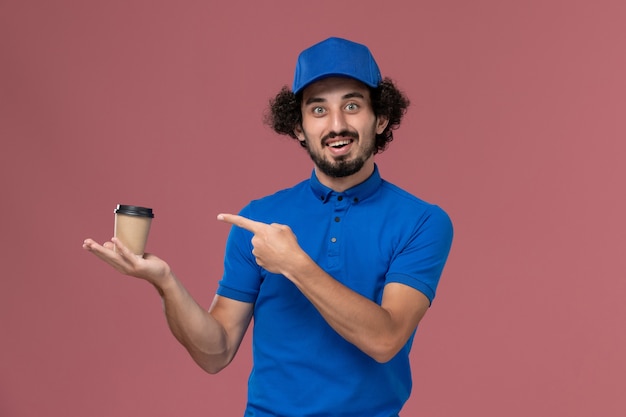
x=357, y=193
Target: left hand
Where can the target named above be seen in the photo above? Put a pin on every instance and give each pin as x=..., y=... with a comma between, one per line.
x=275, y=246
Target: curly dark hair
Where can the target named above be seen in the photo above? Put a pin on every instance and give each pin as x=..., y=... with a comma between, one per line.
x=285, y=114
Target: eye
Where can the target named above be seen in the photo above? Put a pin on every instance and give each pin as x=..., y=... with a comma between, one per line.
x=317, y=110
x=352, y=107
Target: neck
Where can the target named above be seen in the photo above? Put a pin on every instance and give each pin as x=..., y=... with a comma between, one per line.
x=343, y=183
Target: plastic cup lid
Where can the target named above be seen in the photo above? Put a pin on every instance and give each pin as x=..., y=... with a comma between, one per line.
x=134, y=211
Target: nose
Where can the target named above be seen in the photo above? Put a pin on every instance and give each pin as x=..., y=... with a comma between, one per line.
x=338, y=121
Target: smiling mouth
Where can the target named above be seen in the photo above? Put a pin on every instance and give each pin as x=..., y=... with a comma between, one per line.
x=337, y=144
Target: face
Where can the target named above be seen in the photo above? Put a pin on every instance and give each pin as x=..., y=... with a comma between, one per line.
x=339, y=126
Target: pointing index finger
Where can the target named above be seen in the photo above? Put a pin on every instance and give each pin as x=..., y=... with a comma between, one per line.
x=240, y=221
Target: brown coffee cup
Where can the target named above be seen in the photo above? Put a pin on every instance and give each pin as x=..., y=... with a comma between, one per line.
x=132, y=225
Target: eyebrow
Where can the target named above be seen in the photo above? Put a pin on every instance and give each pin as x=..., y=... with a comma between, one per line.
x=355, y=94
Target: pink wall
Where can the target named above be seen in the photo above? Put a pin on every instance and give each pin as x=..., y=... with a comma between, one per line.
x=517, y=129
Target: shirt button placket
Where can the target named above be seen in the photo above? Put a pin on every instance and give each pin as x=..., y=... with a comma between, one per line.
x=340, y=207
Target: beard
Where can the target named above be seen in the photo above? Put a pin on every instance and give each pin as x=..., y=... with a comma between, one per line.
x=342, y=166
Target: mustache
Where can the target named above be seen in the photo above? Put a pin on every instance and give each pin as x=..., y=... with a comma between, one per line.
x=343, y=133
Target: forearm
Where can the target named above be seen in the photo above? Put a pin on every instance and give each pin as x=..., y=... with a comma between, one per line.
x=194, y=327
x=357, y=319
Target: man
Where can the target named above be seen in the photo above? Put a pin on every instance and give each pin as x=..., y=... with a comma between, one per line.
x=337, y=271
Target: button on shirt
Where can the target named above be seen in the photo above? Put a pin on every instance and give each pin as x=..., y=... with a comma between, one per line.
x=365, y=237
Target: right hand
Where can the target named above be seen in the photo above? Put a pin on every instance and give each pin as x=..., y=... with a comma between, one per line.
x=149, y=267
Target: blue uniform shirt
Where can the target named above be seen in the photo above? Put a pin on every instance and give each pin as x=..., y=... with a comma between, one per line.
x=370, y=235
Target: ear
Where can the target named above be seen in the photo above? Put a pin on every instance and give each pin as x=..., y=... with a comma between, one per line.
x=381, y=124
x=299, y=132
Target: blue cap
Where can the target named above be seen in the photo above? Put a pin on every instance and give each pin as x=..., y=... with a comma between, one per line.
x=336, y=57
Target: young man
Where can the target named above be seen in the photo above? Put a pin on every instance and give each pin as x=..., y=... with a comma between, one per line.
x=337, y=271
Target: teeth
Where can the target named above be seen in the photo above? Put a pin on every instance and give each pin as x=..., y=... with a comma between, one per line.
x=339, y=143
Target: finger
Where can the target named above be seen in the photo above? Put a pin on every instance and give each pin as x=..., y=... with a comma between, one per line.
x=123, y=251
x=240, y=221
x=104, y=252
x=93, y=246
x=88, y=244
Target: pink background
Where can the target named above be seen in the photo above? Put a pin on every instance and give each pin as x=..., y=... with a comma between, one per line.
x=517, y=128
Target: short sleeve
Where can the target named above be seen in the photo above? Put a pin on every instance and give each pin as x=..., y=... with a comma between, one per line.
x=242, y=276
x=419, y=263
